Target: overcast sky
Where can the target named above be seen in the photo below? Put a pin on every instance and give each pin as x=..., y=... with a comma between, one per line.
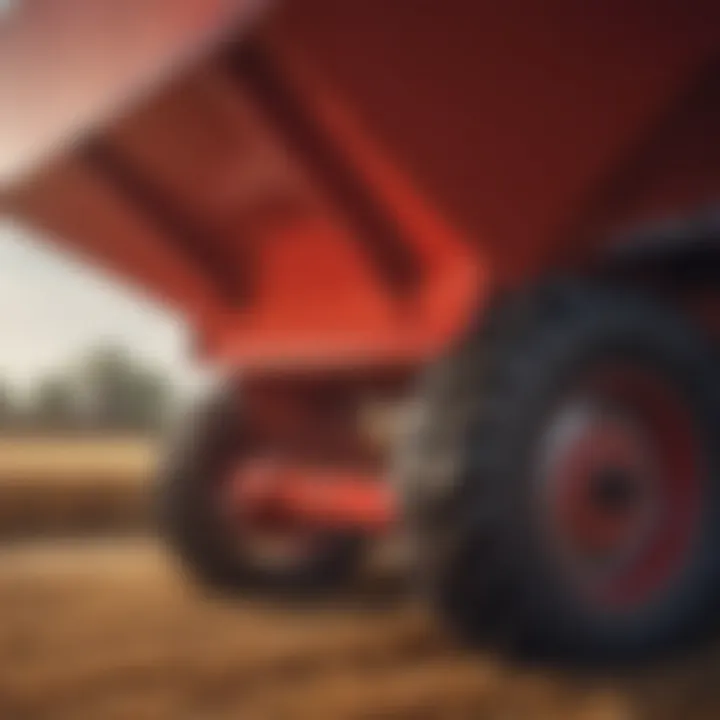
x=52, y=309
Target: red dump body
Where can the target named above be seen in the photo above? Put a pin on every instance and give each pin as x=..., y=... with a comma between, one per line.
x=334, y=181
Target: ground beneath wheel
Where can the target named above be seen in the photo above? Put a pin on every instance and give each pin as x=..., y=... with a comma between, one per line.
x=108, y=630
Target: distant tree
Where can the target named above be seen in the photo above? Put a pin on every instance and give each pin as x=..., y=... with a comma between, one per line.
x=53, y=405
x=121, y=395
x=106, y=379
x=8, y=407
x=149, y=400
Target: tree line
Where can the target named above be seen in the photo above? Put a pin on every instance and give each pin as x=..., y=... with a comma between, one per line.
x=109, y=391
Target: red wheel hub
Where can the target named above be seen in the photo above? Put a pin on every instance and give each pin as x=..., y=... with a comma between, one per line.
x=622, y=478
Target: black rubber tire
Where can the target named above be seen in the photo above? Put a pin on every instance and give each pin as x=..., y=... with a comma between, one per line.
x=188, y=522
x=463, y=472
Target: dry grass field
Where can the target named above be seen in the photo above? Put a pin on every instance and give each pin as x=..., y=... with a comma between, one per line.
x=105, y=628
x=73, y=486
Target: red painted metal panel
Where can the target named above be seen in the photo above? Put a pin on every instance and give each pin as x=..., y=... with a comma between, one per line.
x=513, y=115
x=66, y=65
x=77, y=208
x=482, y=132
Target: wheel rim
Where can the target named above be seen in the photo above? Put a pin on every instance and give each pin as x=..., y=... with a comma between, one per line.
x=622, y=478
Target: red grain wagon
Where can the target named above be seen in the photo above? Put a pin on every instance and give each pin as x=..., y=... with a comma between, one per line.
x=336, y=193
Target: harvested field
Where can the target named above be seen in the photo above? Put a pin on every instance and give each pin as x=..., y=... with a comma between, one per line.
x=51, y=487
x=107, y=629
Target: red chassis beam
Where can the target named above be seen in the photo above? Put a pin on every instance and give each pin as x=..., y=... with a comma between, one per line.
x=271, y=492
